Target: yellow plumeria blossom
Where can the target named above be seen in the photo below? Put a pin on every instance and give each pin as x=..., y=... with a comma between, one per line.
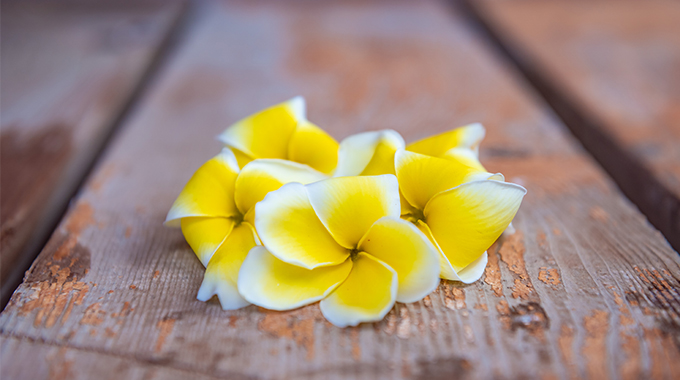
x=459, y=144
x=461, y=211
x=216, y=213
x=340, y=241
x=283, y=132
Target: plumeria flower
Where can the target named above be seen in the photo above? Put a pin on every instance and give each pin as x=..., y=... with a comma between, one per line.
x=372, y=153
x=282, y=132
x=216, y=213
x=340, y=241
x=459, y=144
x=460, y=209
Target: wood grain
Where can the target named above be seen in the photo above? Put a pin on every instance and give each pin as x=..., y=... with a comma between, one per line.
x=64, y=363
x=586, y=288
x=612, y=71
x=68, y=70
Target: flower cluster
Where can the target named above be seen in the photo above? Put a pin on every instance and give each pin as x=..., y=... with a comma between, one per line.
x=285, y=216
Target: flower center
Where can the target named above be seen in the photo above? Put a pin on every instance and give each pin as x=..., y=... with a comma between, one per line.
x=419, y=214
x=238, y=219
x=415, y=216
x=354, y=253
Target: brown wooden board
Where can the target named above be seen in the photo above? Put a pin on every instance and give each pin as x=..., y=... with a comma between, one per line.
x=68, y=70
x=612, y=71
x=586, y=288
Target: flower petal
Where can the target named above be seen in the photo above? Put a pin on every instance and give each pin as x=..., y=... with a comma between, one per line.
x=408, y=251
x=421, y=177
x=291, y=231
x=209, y=192
x=406, y=208
x=348, y=206
x=368, y=153
x=466, y=220
x=312, y=146
x=468, y=136
x=221, y=274
x=269, y=282
x=205, y=235
x=367, y=294
x=468, y=275
x=465, y=156
x=242, y=158
x=260, y=177
x=267, y=133
x=474, y=270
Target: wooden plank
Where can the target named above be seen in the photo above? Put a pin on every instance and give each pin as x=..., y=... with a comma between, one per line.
x=73, y=364
x=68, y=71
x=616, y=65
x=585, y=289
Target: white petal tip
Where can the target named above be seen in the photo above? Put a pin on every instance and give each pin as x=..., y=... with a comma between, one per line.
x=229, y=298
x=340, y=320
x=474, y=270
x=298, y=107
x=172, y=222
x=510, y=230
x=415, y=298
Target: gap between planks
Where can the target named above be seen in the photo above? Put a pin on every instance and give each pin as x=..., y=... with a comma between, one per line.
x=169, y=41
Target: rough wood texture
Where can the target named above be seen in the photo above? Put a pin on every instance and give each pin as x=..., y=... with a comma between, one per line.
x=68, y=70
x=612, y=71
x=584, y=289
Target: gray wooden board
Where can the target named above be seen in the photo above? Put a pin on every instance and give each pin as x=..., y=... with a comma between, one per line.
x=584, y=289
x=68, y=70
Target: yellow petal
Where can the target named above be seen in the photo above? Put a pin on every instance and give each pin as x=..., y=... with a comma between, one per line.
x=466, y=220
x=367, y=294
x=221, y=274
x=348, y=206
x=468, y=275
x=242, y=158
x=382, y=161
x=368, y=153
x=262, y=176
x=405, y=249
x=267, y=133
x=205, y=235
x=269, y=282
x=465, y=156
x=291, y=231
x=312, y=146
x=209, y=192
x=468, y=136
x=422, y=177
x=406, y=208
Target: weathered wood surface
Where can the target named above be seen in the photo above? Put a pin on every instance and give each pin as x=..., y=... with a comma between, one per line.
x=68, y=70
x=617, y=63
x=586, y=288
